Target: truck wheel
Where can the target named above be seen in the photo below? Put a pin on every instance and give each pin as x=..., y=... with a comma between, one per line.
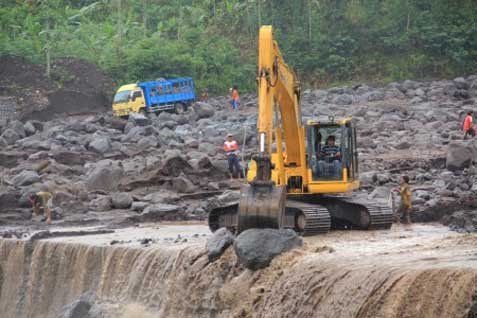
x=142, y=111
x=179, y=108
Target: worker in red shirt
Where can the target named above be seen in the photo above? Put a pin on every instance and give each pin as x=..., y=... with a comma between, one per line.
x=468, y=125
x=231, y=149
x=235, y=97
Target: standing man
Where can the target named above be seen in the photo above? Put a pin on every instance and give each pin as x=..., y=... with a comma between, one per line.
x=43, y=199
x=406, y=205
x=468, y=125
x=235, y=97
x=230, y=149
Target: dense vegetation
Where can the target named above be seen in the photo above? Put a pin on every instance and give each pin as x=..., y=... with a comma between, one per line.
x=326, y=41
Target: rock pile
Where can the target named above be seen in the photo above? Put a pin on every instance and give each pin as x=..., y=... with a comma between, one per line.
x=170, y=166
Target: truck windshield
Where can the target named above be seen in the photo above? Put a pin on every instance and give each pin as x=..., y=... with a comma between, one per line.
x=121, y=97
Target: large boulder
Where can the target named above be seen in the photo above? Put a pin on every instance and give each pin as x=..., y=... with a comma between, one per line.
x=344, y=99
x=100, y=145
x=255, y=248
x=121, y=200
x=68, y=157
x=174, y=164
x=80, y=308
x=218, y=243
x=29, y=128
x=459, y=156
x=182, y=184
x=157, y=212
x=9, y=200
x=25, y=177
x=105, y=176
x=101, y=203
x=204, y=110
x=10, y=136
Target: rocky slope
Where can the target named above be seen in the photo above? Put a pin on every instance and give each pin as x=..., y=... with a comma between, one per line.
x=171, y=167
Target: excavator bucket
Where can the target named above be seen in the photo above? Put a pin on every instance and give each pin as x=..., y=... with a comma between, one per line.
x=261, y=206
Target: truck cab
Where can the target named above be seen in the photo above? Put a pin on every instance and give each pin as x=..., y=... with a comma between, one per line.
x=128, y=98
x=154, y=96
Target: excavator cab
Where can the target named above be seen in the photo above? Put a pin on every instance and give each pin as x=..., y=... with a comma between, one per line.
x=331, y=150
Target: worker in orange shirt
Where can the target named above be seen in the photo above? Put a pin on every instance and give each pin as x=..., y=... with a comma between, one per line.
x=231, y=149
x=235, y=97
x=468, y=125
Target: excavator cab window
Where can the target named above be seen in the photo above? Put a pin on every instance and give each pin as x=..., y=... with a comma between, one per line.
x=329, y=151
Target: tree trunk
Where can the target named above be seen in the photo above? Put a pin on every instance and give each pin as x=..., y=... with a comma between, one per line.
x=120, y=29
x=47, y=45
x=309, y=20
x=259, y=14
x=144, y=16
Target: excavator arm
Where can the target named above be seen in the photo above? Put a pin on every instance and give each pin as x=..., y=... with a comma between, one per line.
x=263, y=201
x=279, y=109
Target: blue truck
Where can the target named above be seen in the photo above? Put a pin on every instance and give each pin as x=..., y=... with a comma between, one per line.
x=154, y=96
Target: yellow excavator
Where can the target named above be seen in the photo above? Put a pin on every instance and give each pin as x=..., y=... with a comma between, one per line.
x=302, y=174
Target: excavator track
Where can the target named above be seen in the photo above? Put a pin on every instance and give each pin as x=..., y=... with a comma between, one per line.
x=305, y=219
x=318, y=221
x=381, y=217
x=347, y=212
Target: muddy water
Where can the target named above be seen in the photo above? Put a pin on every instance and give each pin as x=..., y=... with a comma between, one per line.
x=421, y=271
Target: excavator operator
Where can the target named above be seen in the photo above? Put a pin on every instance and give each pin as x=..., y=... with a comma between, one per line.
x=330, y=153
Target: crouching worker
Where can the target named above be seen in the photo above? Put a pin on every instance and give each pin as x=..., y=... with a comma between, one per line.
x=42, y=199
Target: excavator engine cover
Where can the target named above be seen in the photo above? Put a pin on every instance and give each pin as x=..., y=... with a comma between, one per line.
x=261, y=205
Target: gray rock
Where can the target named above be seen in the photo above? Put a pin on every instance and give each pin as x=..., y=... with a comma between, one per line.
x=139, y=119
x=9, y=200
x=218, y=243
x=148, y=142
x=374, y=96
x=343, y=99
x=208, y=148
x=79, y=308
x=403, y=145
x=102, y=203
x=105, y=176
x=25, y=177
x=121, y=200
x=229, y=196
x=461, y=83
x=204, y=110
x=458, y=157
x=174, y=164
x=29, y=128
x=255, y=248
x=158, y=211
x=101, y=145
x=17, y=126
x=3, y=143
x=183, y=185
x=10, y=136
x=68, y=157
x=139, y=206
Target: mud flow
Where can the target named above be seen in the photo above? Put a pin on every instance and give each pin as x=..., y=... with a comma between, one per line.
x=408, y=271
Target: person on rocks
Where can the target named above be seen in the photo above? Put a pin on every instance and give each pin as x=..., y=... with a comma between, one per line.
x=234, y=97
x=205, y=95
x=468, y=125
x=231, y=149
x=44, y=199
x=406, y=204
